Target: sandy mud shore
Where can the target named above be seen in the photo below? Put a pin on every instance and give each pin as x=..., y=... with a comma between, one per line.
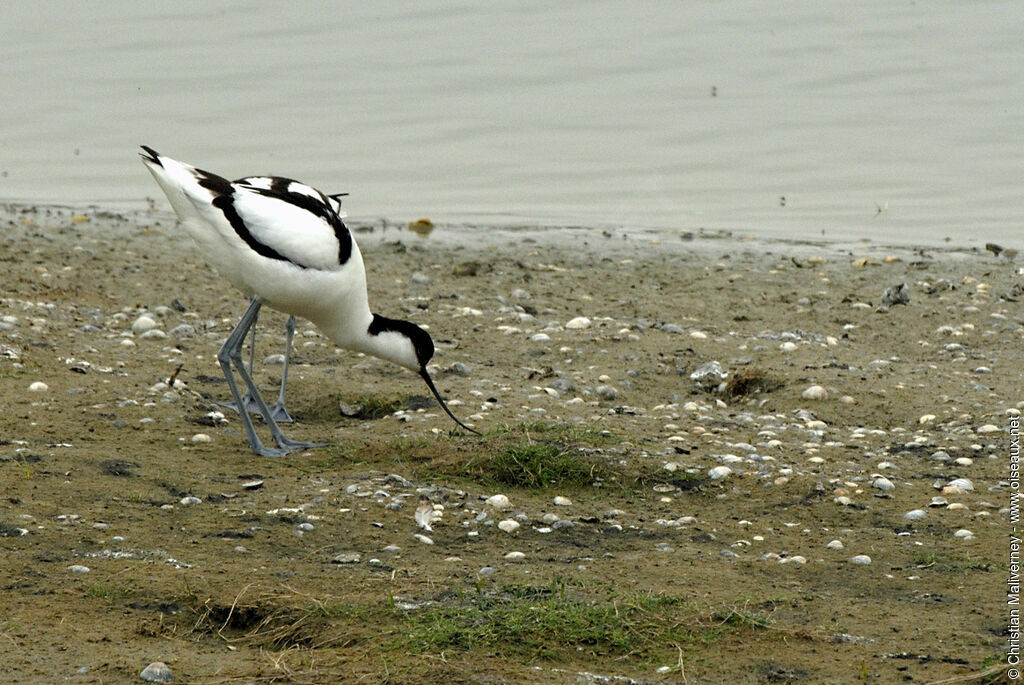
x=828, y=503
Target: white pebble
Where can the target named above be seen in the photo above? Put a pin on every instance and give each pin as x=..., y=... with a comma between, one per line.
x=579, y=323
x=78, y=568
x=963, y=461
x=962, y=483
x=515, y=556
x=988, y=428
x=423, y=538
x=153, y=334
x=719, y=472
x=201, y=437
x=157, y=672
x=964, y=534
x=142, y=324
x=698, y=335
x=38, y=386
x=926, y=418
x=835, y=544
x=815, y=392
x=883, y=483
x=862, y=559
x=540, y=337
x=788, y=346
x=499, y=502
x=915, y=514
x=191, y=499
x=508, y=525
x=561, y=501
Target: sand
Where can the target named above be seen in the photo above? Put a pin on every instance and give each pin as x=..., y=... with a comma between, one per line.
x=315, y=574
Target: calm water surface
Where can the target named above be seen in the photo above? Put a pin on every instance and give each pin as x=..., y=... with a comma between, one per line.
x=899, y=121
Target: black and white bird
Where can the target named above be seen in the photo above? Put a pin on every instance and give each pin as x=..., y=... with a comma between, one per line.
x=284, y=244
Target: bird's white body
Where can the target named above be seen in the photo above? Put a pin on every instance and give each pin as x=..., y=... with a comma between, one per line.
x=316, y=270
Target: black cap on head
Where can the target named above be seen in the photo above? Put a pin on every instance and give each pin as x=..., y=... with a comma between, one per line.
x=424, y=346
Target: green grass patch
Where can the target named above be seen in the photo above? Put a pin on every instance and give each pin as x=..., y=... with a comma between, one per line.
x=551, y=626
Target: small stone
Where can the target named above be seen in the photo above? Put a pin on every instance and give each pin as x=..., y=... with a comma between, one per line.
x=964, y=534
x=788, y=346
x=962, y=483
x=560, y=501
x=78, y=568
x=719, y=472
x=862, y=559
x=157, y=672
x=423, y=538
x=515, y=556
x=938, y=501
x=486, y=571
x=709, y=375
x=201, y=437
x=499, y=502
x=252, y=485
x=579, y=323
x=989, y=428
x=38, y=386
x=153, y=334
x=926, y=418
x=540, y=337
x=606, y=392
x=508, y=525
x=835, y=544
x=814, y=392
x=143, y=323
x=191, y=499
x=915, y=514
x=883, y=483
x=347, y=558
x=897, y=294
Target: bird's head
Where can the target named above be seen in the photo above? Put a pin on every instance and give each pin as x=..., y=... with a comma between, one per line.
x=408, y=345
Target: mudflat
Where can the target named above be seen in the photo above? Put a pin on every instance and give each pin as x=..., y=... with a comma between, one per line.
x=829, y=503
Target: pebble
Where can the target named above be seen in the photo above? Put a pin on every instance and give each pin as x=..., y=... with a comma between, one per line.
x=962, y=483
x=78, y=568
x=964, y=534
x=709, y=375
x=883, y=483
x=191, y=499
x=347, y=558
x=835, y=544
x=201, y=437
x=915, y=514
x=606, y=392
x=157, y=672
x=143, y=323
x=508, y=525
x=499, y=502
x=862, y=559
x=814, y=392
x=38, y=386
x=579, y=323
x=515, y=556
x=719, y=472
x=540, y=337
x=989, y=428
x=788, y=346
x=560, y=501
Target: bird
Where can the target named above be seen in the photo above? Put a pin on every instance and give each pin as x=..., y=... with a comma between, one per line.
x=283, y=243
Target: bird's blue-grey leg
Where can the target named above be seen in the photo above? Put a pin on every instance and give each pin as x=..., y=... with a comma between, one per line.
x=277, y=410
x=231, y=353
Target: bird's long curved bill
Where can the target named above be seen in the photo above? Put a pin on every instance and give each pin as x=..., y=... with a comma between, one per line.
x=440, y=400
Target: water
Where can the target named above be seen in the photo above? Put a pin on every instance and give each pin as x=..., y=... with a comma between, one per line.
x=896, y=121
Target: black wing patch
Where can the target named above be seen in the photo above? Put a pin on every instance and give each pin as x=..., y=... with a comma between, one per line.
x=223, y=199
x=318, y=206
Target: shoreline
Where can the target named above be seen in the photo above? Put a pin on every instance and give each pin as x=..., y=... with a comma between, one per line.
x=616, y=239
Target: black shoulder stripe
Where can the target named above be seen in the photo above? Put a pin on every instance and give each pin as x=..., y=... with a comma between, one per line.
x=224, y=201
x=317, y=206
